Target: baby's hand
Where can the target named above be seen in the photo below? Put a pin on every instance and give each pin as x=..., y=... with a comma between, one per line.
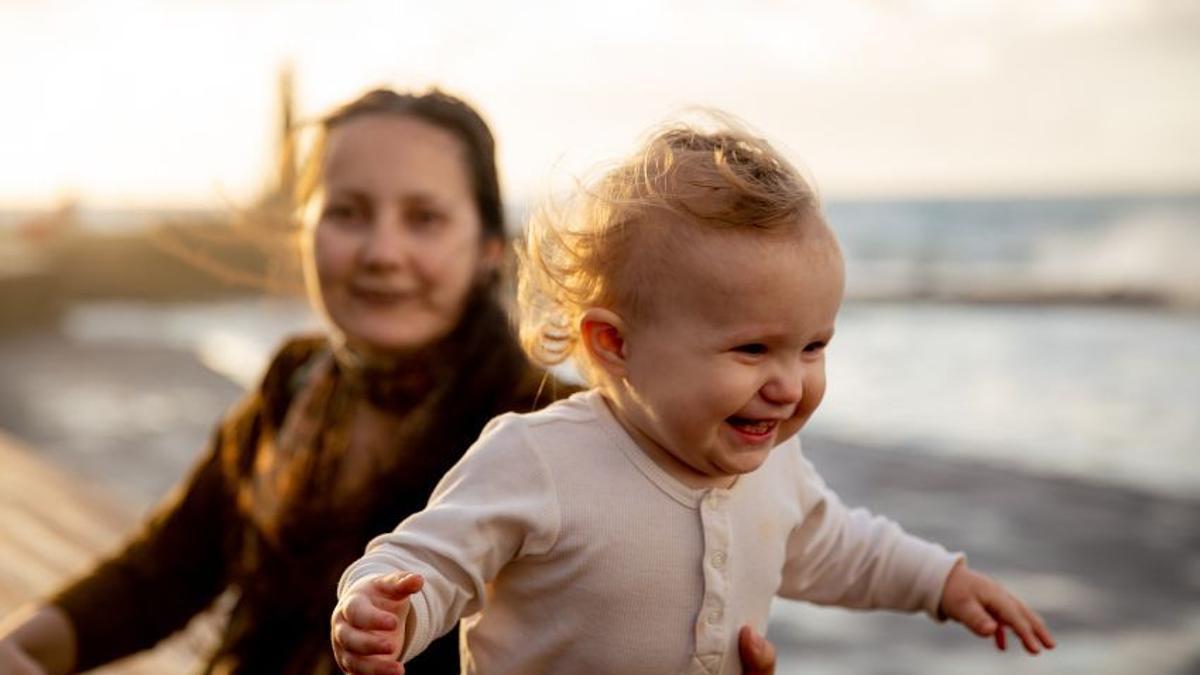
x=985, y=607
x=367, y=627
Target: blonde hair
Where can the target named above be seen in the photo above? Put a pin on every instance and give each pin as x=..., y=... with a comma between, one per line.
x=599, y=248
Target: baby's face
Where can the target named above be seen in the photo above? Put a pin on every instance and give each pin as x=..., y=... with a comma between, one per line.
x=730, y=359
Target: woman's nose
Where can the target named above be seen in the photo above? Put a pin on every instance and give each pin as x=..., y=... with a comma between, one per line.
x=386, y=246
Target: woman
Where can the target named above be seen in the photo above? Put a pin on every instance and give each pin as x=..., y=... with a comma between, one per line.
x=347, y=433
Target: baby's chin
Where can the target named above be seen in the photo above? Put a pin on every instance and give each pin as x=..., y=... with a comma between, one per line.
x=744, y=461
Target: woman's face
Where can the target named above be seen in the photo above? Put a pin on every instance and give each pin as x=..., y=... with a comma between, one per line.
x=397, y=243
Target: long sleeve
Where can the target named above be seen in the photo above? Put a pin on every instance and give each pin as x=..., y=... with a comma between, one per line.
x=497, y=504
x=851, y=558
x=166, y=573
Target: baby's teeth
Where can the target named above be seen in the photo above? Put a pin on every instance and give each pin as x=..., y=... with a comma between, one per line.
x=757, y=427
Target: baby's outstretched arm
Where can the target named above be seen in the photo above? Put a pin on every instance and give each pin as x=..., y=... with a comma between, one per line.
x=985, y=607
x=367, y=628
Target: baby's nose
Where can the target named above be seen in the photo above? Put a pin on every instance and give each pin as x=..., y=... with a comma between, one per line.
x=787, y=386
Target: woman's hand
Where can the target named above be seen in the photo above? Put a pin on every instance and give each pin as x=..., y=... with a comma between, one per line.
x=986, y=608
x=367, y=627
x=37, y=640
x=14, y=660
x=756, y=652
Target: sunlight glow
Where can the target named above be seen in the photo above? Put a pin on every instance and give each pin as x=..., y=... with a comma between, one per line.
x=145, y=103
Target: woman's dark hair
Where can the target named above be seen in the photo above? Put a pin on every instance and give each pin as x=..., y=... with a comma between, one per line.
x=433, y=107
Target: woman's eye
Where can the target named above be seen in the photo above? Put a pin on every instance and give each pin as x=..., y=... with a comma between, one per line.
x=755, y=348
x=339, y=212
x=425, y=218
x=814, y=347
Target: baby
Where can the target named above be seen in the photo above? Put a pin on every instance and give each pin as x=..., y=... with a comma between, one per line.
x=636, y=526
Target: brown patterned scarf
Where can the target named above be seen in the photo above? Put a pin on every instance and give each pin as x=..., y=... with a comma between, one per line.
x=294, y=471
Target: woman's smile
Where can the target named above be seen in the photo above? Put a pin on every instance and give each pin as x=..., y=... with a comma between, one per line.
x=381, y=295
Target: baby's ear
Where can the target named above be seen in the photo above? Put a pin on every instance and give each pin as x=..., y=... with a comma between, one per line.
x=603, y=336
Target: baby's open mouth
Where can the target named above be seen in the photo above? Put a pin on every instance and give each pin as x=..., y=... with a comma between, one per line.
x=752, y=426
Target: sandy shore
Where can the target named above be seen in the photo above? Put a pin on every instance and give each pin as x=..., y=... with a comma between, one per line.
x=1115, y=571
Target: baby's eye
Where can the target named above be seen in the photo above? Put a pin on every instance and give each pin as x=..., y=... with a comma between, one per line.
x=755, y=348
x=814, y=347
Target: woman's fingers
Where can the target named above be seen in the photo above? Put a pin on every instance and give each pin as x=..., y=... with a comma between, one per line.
x=757, y=653
x=361, y=642
x=14, y=660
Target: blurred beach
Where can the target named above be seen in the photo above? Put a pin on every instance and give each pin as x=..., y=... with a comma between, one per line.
x=1045, y=424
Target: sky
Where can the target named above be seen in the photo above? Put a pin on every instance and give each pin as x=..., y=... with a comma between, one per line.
x=173, y=103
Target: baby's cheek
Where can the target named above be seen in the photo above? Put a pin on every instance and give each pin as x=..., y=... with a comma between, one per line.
x=804, y=411
x=814, y=393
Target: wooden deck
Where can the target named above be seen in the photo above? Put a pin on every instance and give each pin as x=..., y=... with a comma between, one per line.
x=53, y=526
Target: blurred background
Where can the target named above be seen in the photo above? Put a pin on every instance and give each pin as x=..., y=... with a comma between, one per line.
x=1016, y=185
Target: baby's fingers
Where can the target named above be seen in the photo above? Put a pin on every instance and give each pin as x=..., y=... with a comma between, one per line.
x=361, y=643
x=1040, y=629
x=976, y=619
x=360, y=612
x=1032, y=630
x=1022, y=620
x=369, y=665
x=398, y=586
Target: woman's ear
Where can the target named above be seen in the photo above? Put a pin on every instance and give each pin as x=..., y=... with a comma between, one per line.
x=491, y=257
x=603, y=336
